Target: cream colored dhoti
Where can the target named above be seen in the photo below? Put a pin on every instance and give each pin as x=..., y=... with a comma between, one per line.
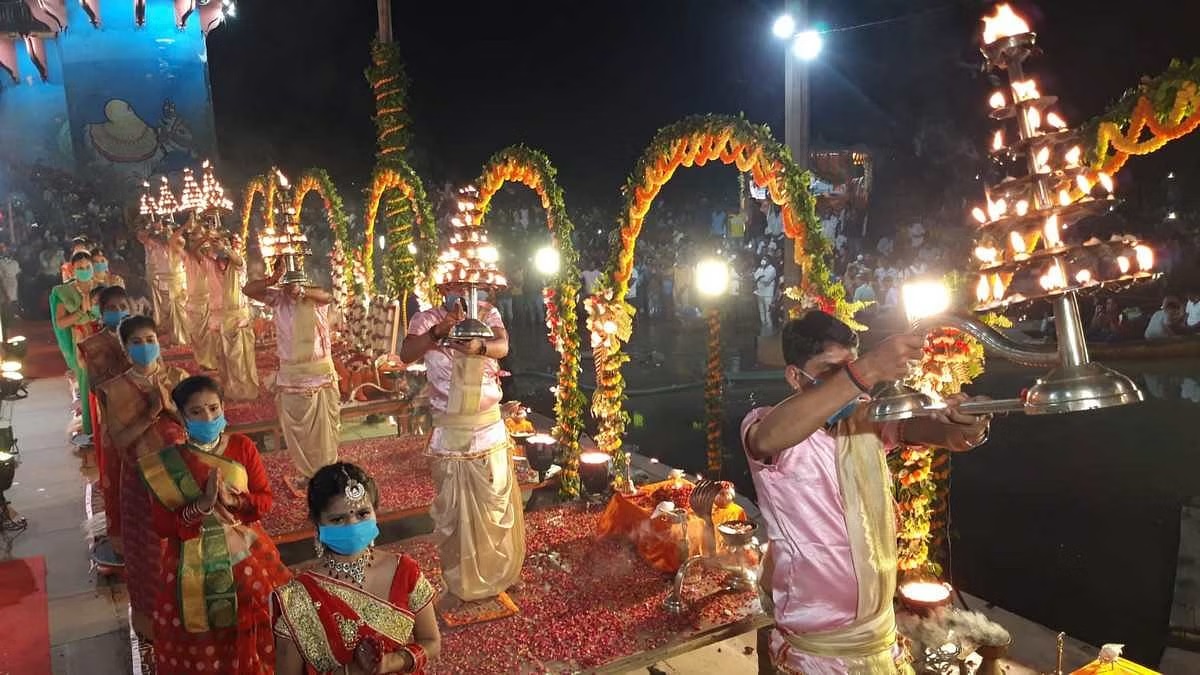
x=206, y=344
x=310, y=421
x=478, y=514
x=239, y=372
x=167, y=296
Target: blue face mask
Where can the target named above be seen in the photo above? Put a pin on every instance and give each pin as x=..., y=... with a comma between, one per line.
x=84, y=274
x=144, y=354
x=349, y=539
x=205, y=431
x=112, y=317
x=100, y=267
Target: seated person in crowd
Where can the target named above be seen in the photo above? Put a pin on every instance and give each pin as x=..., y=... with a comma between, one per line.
x=1170, y=321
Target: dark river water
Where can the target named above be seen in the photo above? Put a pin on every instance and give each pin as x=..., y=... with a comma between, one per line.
x=1069, y=520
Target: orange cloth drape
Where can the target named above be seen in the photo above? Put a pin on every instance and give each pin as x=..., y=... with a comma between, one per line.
x=657, y=541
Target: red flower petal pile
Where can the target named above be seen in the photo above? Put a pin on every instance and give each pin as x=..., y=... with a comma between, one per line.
x=603, y=605
x=398, y=465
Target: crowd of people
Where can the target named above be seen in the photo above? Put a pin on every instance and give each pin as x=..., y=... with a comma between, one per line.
x=184, y=495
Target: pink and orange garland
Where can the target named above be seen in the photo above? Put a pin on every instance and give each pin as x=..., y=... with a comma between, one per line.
x=533, y=169
x=695, y=141
x=420, y=235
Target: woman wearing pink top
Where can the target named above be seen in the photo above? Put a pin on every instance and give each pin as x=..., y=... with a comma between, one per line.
x=818, y=465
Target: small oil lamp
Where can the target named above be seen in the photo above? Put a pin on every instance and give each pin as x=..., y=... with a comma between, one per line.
x=540, y=450
x=595, y=472
x=923, y=596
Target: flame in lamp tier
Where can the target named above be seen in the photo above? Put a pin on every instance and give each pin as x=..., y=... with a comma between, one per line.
x=1004, y=23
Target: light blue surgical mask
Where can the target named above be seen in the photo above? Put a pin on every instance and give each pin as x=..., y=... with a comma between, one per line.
x=113, y=317
x=205, y=431
x=144, y=354
x=100, y=267
x=349, y=539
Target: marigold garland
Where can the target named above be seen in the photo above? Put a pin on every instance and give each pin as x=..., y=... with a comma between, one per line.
x=533, y=169
x=406, y=269
x=317, y=180
x=694, y=141
x=1162, y=109
x=263, y=186
x=951, y=359
x=713, y=395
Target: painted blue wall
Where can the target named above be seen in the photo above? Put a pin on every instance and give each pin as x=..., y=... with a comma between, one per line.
x=122, y=103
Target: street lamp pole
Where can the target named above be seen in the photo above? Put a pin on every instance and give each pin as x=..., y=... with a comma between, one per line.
x=795, y=125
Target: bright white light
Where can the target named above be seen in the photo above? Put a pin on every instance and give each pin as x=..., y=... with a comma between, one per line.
x=489, y=254
x=10, y=366
x=382, y=242
x=784, y=27
x=547, y=261
x=412, y=248
x=924, y=299
x=712, y=277
x=1170, y=175
x=807, y=45
x=1172, y=215
x=14, y=375
x=5, y=457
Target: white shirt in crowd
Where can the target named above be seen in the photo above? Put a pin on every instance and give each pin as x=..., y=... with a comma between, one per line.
x=1159, y=327
x=1193, y=313
x=764, y=281
x=633, y=284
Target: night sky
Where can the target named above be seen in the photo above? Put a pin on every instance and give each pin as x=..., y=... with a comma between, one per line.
x=590, y=82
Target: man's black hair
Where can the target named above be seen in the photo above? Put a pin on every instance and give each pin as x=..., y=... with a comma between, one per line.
x=809, y=335
x=109, y=294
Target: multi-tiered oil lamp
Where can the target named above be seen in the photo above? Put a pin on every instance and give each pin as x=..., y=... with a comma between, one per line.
x=1024, y=251
x=285, y=243
x=468, y=265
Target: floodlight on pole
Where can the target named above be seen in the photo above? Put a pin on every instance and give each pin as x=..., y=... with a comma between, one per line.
x=807, y=44
x=547, y=261
x=784, y=27
x=712, y=277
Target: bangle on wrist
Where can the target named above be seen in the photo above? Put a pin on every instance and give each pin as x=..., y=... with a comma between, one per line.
x=856, y=378
x=416, y=653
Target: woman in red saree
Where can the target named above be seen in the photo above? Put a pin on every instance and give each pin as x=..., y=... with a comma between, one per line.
x=353, y=611
x=219, y=566
x=139, y=420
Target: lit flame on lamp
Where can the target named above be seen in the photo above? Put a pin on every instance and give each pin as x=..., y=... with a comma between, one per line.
x=979, y=215
x=1056, y=121
x=1004, y=23
x=1025, y=90
x=1106, y=181
x=1053, y=240
x=1054, y=277
x=996, y=100
x=1145, y=257
x=1022, y=207
x=1035, y=118
x=1123, y=264
x=1084, y=185
x=1040, y=160
x=1064, y=197
x=1018, y=244
x=998, y=287
x=998, y=141
x=986, y=254
x=983, y=291
x=1073, y=155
